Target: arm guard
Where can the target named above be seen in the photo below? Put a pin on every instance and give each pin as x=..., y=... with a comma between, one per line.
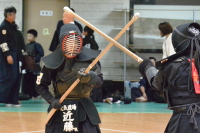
x=150, y=74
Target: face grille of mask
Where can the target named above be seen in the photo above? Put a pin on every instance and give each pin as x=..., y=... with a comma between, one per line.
x=71, y=45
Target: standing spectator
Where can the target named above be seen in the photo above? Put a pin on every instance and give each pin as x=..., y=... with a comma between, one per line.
x=166, y=31
x=20, y=42
x=55, y=41
x=9, y=68
x=35, y=50
x=89, y=40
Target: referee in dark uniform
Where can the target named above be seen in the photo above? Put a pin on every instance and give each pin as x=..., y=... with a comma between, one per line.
x=55, y=41
x=9, y=68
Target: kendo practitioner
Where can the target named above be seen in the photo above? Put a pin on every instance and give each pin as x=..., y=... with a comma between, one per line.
x=178, y=79
x=55, y=41
x=9, y=63
x=36, y=52
x=77, y=113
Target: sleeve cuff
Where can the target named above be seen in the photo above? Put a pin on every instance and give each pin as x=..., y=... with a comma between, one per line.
x=7, y=53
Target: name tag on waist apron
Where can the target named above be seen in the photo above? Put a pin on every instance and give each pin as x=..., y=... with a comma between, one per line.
x=69, y=116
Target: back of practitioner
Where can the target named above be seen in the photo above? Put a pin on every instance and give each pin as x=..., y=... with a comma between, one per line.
x=178, y=79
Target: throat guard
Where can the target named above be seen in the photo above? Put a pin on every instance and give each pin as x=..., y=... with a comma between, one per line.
x=53, y=60
x=87, y=54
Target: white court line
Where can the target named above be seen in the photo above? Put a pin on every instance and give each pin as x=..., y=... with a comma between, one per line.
x=101, y=129
x=33, y=131
x=118, y=130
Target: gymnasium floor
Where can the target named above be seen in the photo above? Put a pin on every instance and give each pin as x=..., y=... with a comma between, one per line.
x=116, y=118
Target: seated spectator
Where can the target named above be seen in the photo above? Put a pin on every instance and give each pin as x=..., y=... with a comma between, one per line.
x=114, y=98
x=139, y=91
x=89, y=42
x=36, y=51
x=147, y=92
x=128, y=85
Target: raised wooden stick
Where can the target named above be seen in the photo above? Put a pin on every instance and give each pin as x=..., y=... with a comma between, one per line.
x=68, y=10
x=91, y=65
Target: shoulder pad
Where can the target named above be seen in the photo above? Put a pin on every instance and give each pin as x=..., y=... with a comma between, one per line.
x=180, y=59
x=54, y=60
x=87, y=54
